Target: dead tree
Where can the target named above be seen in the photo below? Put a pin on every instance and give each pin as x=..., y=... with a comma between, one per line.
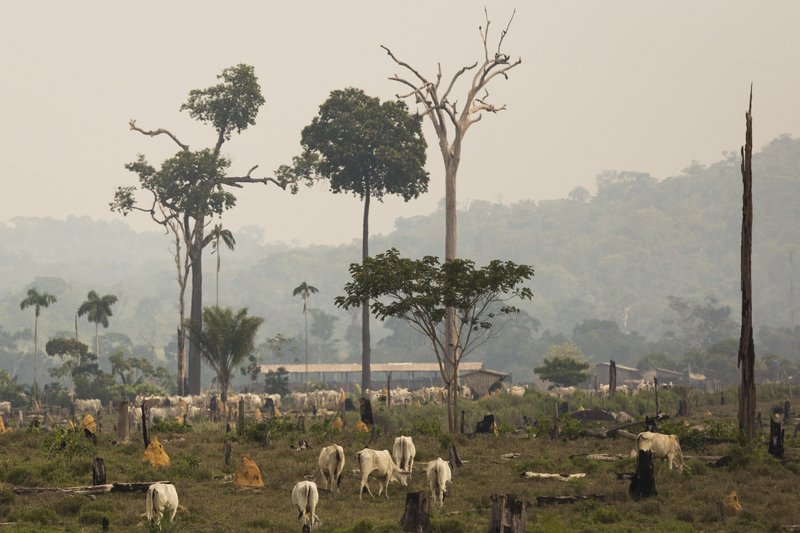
x=446, y=113
x=417, y=515
x=366, y=411
x=775, y=436
x=612, y=379
x=145, y=432
x=747, y=353
x=509, y=514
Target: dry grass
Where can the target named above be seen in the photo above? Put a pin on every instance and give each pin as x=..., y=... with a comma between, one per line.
x=687, y=501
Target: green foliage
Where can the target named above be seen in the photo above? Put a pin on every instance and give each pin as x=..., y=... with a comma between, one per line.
x=68, y=444
x=276, y=427
x=170, y=425
x=564, y=366
x=277, y=382
x=427, y=426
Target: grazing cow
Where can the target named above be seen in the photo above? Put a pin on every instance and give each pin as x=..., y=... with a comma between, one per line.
x=379, y=464
x=159, y=496
x=403, y=452
x=439, y=474
x=305, y=498
x=92, y=406
x=663, y=446
x=331, y=464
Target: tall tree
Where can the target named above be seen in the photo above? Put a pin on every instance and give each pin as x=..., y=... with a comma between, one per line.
x=368, y=148
x=747, y=352
x=304, y=290
x=219, y=234
x=225, y=339
x=37, y=300
x=442, y=108
x=421, y=291
x=191, y=186
x=98, y=310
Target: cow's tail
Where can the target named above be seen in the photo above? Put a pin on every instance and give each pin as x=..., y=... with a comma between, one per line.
x=155, y=507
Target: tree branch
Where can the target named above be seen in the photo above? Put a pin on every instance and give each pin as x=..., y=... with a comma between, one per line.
x=159, y=131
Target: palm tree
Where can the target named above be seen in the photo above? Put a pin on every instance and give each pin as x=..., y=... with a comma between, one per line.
x=38, y=301
x=305, y=290
x=225, y=340
x=97, y=309
x=213, y=238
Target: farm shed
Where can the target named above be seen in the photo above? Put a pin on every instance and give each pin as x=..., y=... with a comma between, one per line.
x=479, y=381
x=343, y=375
x=624, y=374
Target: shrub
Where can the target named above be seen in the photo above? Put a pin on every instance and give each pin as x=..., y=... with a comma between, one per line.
x=275, y=427
x=68, y=444
x=427, y=426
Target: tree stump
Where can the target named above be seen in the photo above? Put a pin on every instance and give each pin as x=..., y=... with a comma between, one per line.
x=775, y=436
x=123, y=423
x=509, y=514
x=98, y=471
x=487, y=425
x=643, y=484
x=269, y=407
x=455, y=460
x=365, y=407
x=787, y=408
x=612, y=378
x=105, y=524
x=417, y=515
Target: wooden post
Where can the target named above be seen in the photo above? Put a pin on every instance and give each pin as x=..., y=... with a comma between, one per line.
x=226, y=447
x=98, y=471
x=240, y=418
x=105, y=524
x=509, y=514
x=269, y=404
x=643, y=483
x=417, y=515
x=612, y=379
x=301, y=421
x=655, y=382
x=556, y=431
x=123, y=423
x=462, y=421
x=388, y=390
x=787, y=408
x=145, y=433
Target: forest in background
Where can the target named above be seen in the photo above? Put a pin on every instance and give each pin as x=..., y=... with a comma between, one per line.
x=640, y=268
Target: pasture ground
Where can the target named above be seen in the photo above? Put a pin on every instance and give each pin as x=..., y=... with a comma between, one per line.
x=768, y=489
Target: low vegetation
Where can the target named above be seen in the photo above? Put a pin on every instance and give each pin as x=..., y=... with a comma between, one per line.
x=691, y=500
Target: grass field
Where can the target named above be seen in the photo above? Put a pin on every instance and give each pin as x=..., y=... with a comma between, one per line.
x=768, y=489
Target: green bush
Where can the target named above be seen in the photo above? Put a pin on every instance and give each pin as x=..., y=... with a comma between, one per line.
x=170, y=425
x=68, y=444
x=275, y=427
x=427, y=426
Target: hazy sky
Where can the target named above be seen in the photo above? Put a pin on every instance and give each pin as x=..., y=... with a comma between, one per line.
x=624, y=85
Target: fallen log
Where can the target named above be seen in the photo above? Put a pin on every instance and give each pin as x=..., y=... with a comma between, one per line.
x=560, y=477
x=560, y=500
x=602, y=456
x=91, y=489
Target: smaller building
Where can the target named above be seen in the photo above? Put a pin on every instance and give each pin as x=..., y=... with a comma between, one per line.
x=600, y=374
x=480, y=381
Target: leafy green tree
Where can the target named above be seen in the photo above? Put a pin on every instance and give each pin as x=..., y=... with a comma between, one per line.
x=367, y=148
x=702, y=324
x=421, y=291
x=225, y=340
x=217, y=235
x=37, y=300
x=10, y=390
x=565, y=366
x=304, y=290
x=98, y=310
x=322, y=328
x=191, y=186
x=655, y=360
x=138, y=376
x=277, y=382
x=81, y=365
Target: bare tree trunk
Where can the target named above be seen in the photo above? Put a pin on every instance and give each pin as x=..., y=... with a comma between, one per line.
x=508, y=515
x=123, y=423
x=366, y=351
x=747, y=355
x=196, y=312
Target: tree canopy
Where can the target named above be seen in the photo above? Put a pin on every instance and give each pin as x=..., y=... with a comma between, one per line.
x=564, y=366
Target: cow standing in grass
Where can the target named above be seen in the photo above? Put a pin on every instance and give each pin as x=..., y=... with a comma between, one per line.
x=331, y=464
x=663, y=447
x=404, y=452
x=305, y=498
x=439, y=475
x=160, y=497
x=379, y=465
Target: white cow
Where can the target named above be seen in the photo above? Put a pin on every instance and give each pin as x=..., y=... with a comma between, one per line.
x=379, y=464
x=159, y=496
x=404, y=452
x=5, y=408
x=331, y=464
x=92, y=406
x=305, y=498
x=663, y=447
x=439, y=474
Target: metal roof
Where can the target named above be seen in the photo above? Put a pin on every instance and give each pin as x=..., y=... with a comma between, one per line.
x=376, y=367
